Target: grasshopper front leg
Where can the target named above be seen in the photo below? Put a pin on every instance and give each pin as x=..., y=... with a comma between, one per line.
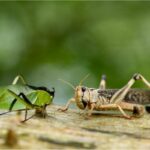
x=72, y=100
x=92, y=106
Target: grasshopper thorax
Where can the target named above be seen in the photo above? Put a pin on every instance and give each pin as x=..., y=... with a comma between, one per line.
x=81, y=96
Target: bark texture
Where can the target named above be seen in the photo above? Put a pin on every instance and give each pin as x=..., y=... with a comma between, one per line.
x=72, y=130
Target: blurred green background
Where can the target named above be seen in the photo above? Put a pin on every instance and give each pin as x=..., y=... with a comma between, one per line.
x=45, y=41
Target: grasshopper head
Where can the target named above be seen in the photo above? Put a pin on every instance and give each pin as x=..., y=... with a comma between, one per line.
x=81, y=93
x=81, y=97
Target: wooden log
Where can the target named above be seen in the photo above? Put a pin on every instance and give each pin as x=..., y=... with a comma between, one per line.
x=72, y=130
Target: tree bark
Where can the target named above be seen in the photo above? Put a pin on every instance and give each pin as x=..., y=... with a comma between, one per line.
x=73, y=130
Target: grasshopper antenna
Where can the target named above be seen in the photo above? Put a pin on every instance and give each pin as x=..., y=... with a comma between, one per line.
x=84, y=79
x=68, y=83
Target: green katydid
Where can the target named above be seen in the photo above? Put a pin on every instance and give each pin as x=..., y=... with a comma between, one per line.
x=25, y=97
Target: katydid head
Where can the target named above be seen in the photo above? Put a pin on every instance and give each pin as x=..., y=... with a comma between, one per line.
x=46, y=97
x=51, y=92
x=51, y=95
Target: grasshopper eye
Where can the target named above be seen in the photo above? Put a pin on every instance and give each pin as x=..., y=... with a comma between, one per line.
x=83, y=89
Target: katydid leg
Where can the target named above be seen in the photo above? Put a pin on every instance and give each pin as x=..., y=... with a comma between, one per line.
x=17, y=78
x=12, y=104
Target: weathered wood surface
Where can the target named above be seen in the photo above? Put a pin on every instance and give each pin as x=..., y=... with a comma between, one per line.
x=71, y=130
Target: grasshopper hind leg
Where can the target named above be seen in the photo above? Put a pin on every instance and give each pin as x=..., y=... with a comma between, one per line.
x=102, y=84
x=120, y=94
x=138, y=111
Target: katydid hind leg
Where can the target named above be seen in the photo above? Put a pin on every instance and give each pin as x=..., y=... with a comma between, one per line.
x=22, y=98
x=12, y=104
x=26, y=113
x=11, y=107
x=26, y=119
x=17, y=78
x=25, y=99
x=15, y=100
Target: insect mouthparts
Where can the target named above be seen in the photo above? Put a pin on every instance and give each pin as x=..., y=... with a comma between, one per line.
x=84, y=103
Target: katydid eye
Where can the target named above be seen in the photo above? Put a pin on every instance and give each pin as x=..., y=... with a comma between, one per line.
x=83, y=89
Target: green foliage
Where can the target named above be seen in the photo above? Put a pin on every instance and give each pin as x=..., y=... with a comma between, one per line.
x=45, y=41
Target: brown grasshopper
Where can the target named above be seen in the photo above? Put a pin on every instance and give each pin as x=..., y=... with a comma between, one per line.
x=111, y=99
